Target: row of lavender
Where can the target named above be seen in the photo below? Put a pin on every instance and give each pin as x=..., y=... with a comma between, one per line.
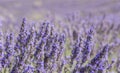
x=48, y=50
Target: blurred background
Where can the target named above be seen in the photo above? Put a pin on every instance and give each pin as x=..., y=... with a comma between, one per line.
x=13, y=11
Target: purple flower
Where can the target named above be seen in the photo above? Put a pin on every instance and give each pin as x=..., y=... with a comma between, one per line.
x=86, y=51
x=76, y=50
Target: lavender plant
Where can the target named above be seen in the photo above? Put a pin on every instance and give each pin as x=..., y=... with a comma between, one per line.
x=44, y=49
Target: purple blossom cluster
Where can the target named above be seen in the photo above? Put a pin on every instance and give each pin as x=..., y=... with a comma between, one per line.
x=45, y=49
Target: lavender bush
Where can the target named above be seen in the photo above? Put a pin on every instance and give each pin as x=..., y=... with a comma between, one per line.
x=84, y=48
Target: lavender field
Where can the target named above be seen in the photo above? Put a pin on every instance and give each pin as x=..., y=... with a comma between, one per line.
x=65, y=36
